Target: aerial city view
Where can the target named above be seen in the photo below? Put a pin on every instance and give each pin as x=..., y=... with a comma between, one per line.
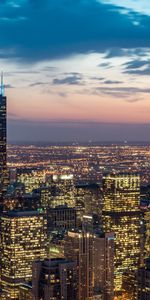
x=75, y=150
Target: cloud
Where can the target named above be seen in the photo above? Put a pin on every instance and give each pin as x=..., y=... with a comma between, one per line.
x=70, y=80
x=142, y=7
x=138, y=52
x=129, y=94
x=62, y=94
x=58, y=28
x=97, y=78
x=136, y=64
x=104, y=65
x=133, y=100
x=139, y=66
x=17, y=19
x=116, y=51
x=38, y=83
x=145, y=72
x=112, y=82
x=126, y=89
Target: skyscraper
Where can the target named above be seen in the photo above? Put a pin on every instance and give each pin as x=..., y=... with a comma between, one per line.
x=62, y=218
x=23, y=239
x=62, y=190
x=144, y=281
x=25, y=292
x=147, y=233
x=79, y=248
x=3, y=141
x=54, y=279
x=90, y=196
x=103, y=264
x=94, y=256
x=121, y=215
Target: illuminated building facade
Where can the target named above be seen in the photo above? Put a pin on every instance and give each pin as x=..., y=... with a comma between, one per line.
x=130, y=285
x=3, y=142
x=56, y=249
x=103, y=264
x=30, y=201
x=32, y=179
x=121, y=215
x=45, y=194
x=94, y=256
x=62, y=190
x=144, y=282
x=25, y=292
x=62, y=217
x=98, y=296
x=80, y=211
x=23, y=239
x=91, y=223
x=147, y=233
x=79, y=248
x=90, y=196
x=54, y=279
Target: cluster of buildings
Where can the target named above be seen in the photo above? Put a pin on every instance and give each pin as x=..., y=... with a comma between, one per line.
x=61, y=239
x=87, y=162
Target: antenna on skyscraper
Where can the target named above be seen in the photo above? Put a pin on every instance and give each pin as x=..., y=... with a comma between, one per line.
x=2, y=84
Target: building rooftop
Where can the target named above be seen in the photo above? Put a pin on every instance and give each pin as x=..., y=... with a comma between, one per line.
x=20, y=213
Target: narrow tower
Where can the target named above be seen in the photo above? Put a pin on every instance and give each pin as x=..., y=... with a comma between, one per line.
x=3, y=142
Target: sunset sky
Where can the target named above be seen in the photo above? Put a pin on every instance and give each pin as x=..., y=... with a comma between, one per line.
x=76, y=70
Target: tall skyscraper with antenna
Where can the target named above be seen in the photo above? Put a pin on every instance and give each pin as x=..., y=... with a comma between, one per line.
x=3, y=141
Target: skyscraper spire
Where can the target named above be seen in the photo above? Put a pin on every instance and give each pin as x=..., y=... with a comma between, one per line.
x=2, y=84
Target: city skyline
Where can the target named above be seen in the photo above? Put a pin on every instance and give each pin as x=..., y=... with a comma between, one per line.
x=81, y=73
x=74, y=150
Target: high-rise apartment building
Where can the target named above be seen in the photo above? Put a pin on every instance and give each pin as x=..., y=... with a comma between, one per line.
x=121, y=215
x=23, y=239
x=54, y=279
x=3, y=142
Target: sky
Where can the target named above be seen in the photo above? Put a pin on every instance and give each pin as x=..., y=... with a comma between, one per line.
x=76, y=70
